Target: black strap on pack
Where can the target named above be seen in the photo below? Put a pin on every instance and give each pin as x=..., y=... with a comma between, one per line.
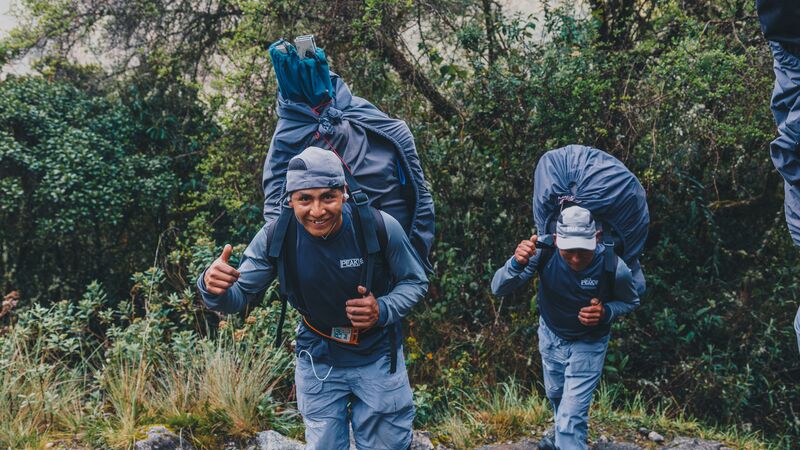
x=368, y=219
x=282, y=231
x=609, y=270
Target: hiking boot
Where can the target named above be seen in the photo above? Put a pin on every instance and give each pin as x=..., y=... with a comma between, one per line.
x=548, y=441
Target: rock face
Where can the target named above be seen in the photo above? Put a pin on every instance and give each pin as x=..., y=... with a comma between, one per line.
x=421, y=441
x=615, y=446
x=160, y=438
x=527, y=444
x=272, y=440
x=685, y=443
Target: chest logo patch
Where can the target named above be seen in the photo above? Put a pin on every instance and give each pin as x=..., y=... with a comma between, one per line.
x=588, y=283
x=350, y=263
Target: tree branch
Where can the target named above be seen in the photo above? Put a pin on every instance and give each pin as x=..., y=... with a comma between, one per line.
x=409, y=73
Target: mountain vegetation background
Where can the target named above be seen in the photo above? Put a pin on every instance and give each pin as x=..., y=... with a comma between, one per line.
x=120, y=181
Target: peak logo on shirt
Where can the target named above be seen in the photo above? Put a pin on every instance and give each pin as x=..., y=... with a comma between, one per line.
x=350, y=263
x=588, y=283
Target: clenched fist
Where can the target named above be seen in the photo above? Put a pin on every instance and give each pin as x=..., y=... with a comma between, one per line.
x=592, y=315
x=363, y=312
x=525, y=250
x=220, y=276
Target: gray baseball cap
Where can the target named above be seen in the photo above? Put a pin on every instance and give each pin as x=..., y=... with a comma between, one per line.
x=314, y=168
x=576, y=229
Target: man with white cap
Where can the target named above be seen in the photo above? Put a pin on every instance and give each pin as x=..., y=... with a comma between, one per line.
x=578, y=299
x=346, y=373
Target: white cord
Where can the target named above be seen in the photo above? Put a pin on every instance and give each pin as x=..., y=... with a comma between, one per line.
x=313, y=369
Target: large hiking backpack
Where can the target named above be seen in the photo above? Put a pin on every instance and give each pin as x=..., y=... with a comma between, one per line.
x=378, y=152
x=597, y=181
x=381, y=165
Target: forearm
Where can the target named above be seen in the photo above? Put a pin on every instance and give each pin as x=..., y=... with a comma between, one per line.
x=256, y=272
x=231, y=302
x=626, y=297
x=619, y=308
x=406, y=268
x=512, y=276
x=396, y=305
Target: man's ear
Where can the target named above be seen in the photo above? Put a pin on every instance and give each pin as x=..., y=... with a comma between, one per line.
x=597, y=235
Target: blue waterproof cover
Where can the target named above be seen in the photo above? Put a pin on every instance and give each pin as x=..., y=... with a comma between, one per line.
x=600, y=183
x=379, y=151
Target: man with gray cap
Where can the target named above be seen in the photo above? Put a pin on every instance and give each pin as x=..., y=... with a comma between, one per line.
x=344, y=373
x=578, y=299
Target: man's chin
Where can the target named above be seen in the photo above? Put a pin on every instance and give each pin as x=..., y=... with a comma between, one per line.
x=315, y=232
x=318, y=230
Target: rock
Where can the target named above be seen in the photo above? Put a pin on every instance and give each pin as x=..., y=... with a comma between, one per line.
x=685, y=443
x=603, y=439
x=615, y=446
x=655, y=437
x=160, y=438
x=422, y=441
x=644, y=431
x=526, y=444
x=272, y=440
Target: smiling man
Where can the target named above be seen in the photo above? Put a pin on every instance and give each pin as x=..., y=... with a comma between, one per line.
x=578, y=299
x=344, y=371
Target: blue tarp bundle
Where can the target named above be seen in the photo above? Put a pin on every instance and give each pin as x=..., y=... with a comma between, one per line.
x=597, y=181
x=304, y=80
x=377, y=149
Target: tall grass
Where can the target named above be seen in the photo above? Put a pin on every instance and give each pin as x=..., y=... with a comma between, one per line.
x=237, y=382
x=508, y=411
x=37, y=399
x=221, y=387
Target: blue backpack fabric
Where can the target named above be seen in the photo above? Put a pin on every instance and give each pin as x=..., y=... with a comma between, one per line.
x=377, y=150
x=597, y=181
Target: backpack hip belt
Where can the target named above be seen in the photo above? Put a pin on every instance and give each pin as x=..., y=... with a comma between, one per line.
x=343, y=335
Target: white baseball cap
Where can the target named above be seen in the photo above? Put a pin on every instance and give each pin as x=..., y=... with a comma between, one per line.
x=576, y=229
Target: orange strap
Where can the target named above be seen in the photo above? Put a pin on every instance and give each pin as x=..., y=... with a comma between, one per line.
x=353, y=334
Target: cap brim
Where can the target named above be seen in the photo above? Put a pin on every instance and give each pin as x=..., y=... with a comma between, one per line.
x=576, y=243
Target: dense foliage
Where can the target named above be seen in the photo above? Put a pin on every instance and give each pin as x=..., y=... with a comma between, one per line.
x=679, y=91
x=78, y=201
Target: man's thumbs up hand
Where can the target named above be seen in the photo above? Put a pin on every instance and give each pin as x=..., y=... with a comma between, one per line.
x=226, y=253
x=525, y=250
x=220, y=276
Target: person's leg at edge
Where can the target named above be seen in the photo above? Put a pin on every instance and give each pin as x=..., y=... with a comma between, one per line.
x=584, y=367
x=383, y=412
x=797, y=327
x=323, y=405
x=552, y=349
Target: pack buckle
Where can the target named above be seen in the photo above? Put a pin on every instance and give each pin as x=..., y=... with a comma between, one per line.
x=359, y=197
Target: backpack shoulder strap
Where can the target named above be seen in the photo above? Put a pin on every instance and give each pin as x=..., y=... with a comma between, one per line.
x=279, y=233
x=380, y=229
x=544, y=258
x=610, y=262
x=383, y=239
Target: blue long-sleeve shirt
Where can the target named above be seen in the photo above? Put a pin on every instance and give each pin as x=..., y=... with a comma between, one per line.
x=329, y=276
x=563, y=292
